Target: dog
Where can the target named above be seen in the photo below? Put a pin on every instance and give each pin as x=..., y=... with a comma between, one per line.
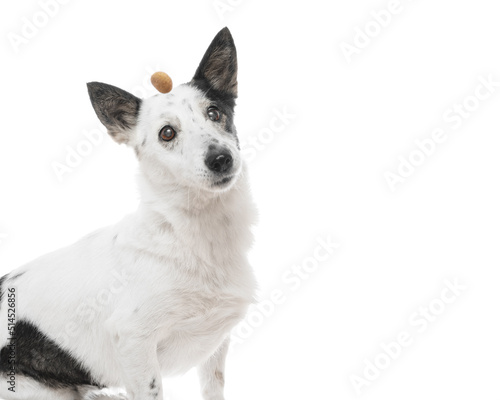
x=159, y=292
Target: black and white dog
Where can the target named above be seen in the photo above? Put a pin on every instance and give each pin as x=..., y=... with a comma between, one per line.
x=157, y=293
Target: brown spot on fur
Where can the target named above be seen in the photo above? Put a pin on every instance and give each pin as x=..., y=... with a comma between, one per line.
x=219, y=375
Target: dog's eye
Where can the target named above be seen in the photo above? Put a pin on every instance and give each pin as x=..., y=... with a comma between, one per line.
x=213, y=113
x=167, y=133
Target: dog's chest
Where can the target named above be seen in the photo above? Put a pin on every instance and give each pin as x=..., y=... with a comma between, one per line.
x=195, y=325
x=202, y=287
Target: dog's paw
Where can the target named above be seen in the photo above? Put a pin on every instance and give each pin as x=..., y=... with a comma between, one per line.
x=109, y=397
x=93, y=393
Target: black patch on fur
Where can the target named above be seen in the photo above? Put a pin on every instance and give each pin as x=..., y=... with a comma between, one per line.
x=214, y=95
x=227, y=109
x=40, y=358
x=152, y=385
x=216, y=77
x=217, y=73
x=116, y=109
x=229, y=126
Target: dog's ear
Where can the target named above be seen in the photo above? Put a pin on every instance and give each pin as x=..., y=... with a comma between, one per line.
x=218, y=68
x=117, y=109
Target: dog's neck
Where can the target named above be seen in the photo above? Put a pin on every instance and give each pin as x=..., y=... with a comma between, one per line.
x=216, y=226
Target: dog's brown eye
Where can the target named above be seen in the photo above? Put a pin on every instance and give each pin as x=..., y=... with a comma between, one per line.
x=213, y=113
x=167, y=133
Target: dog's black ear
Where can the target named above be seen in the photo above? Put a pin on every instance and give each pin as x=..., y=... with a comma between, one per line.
x=218, y=69
x=117, y=109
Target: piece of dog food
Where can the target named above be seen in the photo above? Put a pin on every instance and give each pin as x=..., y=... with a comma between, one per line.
x=162, y=82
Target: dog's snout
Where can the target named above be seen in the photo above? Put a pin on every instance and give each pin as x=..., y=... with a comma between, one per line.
x=219, y=160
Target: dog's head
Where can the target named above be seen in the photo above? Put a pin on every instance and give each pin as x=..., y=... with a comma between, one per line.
x=186, y=137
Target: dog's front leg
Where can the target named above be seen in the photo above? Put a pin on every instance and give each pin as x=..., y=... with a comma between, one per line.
x=211, y=374
x=139, y=361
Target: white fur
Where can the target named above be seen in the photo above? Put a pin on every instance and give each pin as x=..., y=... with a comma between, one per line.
x=157, y=293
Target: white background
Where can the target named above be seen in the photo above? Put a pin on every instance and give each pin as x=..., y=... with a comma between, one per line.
x=321, y=176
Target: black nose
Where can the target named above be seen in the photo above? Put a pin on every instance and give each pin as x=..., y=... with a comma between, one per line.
x=219, y=161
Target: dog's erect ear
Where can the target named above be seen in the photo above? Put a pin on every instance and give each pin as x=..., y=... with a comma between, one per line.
x=218, y=68
x=117, y=109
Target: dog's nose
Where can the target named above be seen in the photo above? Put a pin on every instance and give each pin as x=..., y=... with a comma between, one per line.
x=220, y=161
